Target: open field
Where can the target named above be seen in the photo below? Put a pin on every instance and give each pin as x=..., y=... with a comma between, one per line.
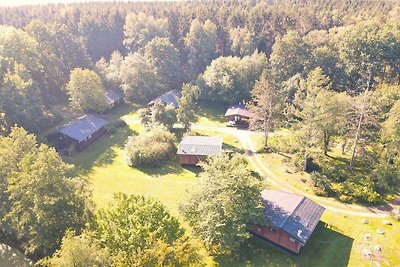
x=338, y=241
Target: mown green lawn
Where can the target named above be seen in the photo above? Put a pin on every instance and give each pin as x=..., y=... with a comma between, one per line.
x=338, y=240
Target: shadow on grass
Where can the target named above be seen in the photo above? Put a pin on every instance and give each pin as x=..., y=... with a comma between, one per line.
x=326, y=247
x=212, y=111
x=171, y=167
x=232, y=149
x=100, y=153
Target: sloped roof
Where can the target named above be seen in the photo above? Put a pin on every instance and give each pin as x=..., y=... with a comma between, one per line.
x=200, y=145
x=112, y=96
x=170, y=97
x=80, y=128
x=240, y=110
x=294, y=214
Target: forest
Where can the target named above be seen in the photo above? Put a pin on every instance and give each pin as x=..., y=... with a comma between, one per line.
x=327, y=71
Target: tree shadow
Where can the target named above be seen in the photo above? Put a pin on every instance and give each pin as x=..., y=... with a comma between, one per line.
x=171, y=167
x=232, y=149
x=212, y=111
x=326, y=247
x=100, y=153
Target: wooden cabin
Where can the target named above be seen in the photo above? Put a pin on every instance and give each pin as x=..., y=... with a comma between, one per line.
x=194, y=149
x=113, y=98
x=82, y=131
x=169, y=98
x=238, y=115
x=291, y=219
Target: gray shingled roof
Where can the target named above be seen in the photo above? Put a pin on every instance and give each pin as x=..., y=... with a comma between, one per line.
x=239, y=109
x=294, y=214
x=170, y=98
x=112, y=96
x=200, y=145
x=80, y=128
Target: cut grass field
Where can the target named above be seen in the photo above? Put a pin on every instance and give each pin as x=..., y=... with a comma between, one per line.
x=338, y=240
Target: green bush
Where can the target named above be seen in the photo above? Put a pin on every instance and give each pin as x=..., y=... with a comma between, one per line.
x=152, y=148
x=346, y=199
x=321, y=181
x=283, y=144
x=319, y=192
x=112, y=127
x=397, y=215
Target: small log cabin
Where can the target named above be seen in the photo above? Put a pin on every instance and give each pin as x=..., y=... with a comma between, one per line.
x=169, y=98
x=194, y=149
x=238, y=115
x=113, y=98
x=82, y=131
x=291, y=219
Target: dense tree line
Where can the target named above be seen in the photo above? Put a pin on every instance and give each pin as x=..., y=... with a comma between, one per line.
x=145, y=49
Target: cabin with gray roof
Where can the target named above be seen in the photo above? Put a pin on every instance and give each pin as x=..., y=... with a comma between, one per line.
x=113, y=98
x=238, y=115
x=82, y=132
x=291, y=219
x=169, y=98
x=194, y=149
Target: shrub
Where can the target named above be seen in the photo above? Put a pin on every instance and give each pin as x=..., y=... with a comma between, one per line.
x=346, y=199
x=321, y=181
x=113, y=126
x=319, y=192
x=152, y=148
x=397, y=215
x=283, y=143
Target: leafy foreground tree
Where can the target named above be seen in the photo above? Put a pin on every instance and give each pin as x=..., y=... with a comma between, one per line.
x=141, y=232
x=158, y=113
x=224, y=203
x=151, y=148
x=39, y=202
x=186, y=111
x=86, y=91
x=78, y=251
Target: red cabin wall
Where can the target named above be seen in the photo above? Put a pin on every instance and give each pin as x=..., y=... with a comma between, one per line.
x=276, y=236
x=191, y=159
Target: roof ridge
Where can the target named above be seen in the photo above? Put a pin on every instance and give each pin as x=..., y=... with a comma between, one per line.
x=290, y=215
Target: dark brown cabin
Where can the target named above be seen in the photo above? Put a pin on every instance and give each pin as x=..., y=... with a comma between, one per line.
x=82, y=131
x=113, y=98
x=193, y=149
x=169, y=98
x=291, y=219
x=238, y=115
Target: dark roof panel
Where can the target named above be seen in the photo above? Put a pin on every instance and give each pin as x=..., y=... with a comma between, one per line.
x=112, y=96
x=82, y=127
x=294, y=214
x=200, y=145
x=239, y=109
x=169, y=98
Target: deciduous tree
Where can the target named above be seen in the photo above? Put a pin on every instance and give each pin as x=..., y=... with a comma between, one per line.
x=224, y=203
x=86, y=91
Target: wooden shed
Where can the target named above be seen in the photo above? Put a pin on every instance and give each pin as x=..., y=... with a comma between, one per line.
x=193, y=149
x=113, y=98
x=169, y=98
x=238, y=115
x=82, y=131
x=291, y=219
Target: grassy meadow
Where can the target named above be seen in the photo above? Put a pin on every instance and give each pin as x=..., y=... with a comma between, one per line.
x=338, y=240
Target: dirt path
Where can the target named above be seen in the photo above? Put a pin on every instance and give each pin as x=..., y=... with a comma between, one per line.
x=244, y=137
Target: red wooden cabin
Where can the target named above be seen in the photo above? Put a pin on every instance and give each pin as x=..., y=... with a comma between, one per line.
x=193, y=149
x=291, y=219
